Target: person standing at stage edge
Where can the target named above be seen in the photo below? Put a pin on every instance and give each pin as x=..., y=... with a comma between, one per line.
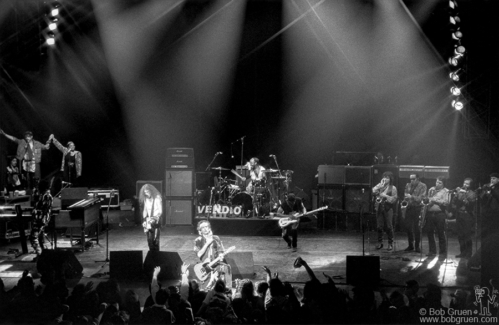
x=29, y=152
x=71, y=161
x=288, y=209
x=208, y=248
x=386, y=198
x=151, y=207
x=413, y=194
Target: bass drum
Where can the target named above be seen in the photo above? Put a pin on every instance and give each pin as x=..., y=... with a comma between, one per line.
x=244, y=200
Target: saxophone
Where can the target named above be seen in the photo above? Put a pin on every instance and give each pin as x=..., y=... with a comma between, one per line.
x=425, y=203
x=403, y=207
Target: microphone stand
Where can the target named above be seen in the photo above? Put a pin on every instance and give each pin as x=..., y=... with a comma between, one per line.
x=324, y=203
x=111, y=195
x=278, y=182
x=207, y=168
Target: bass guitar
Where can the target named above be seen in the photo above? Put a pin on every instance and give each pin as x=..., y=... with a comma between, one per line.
x=203, y=270
x=283, y=222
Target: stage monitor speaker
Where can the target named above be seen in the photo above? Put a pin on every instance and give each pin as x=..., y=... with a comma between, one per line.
x=363, y=270
x=125, y=265
x=242, y=265
x=357, y=197
x=179, y=183
x=170, y=263
x=64, y=263
x=358, y=175
x=330, y=174
x=178, y=212
x=72, y=195
x=332, y=196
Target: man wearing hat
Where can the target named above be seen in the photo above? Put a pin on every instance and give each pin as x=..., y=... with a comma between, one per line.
x=29, y=152
x=291, y=208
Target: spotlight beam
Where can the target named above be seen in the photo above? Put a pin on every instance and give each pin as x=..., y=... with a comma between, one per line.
x=193, y=29
x=18, y=89
x=280, y=32
x=334, y=41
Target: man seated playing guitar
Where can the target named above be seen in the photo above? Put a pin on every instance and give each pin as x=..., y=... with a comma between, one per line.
x=291, y=208
x=208, y=248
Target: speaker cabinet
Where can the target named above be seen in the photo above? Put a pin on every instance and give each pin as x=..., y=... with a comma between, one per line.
x=432, y=172
x=330, y=174
x=72, y=195
x=179, y=152
x=363, y=270
x=405, y=171
x=357, y=198
x=125, y=265
x=358, y=175
x=332, y=196
x=179, y=183
x=64, y=263
x=179, y=212
x=170, y=263
x=242, y=265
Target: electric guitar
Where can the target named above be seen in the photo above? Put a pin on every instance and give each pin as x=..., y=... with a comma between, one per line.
x=283, y=222
x=203, y=270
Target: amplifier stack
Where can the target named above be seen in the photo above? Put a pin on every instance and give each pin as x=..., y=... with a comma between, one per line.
x=179, y=186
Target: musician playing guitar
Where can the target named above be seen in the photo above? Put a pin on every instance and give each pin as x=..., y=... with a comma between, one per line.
x=291, y=208
x=209, y=247
x=151, y=207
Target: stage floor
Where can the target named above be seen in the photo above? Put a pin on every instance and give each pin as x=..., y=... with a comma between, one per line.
x=324, y=250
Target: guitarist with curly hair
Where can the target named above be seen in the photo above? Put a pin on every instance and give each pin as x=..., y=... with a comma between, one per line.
x=151, y=207
x=290, y=209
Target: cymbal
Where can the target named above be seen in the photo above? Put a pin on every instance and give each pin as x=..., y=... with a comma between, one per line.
x=219, y=168
x=279, y=177
x=270, y=170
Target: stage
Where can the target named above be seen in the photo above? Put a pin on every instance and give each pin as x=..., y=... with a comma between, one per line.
x=324, y=250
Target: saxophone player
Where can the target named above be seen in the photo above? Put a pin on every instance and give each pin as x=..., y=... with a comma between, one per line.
x=464, y=204
x=435, y=219
x=386, y=195
x=413, y=195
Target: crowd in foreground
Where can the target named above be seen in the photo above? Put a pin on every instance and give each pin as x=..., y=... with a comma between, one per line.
x=273, y=301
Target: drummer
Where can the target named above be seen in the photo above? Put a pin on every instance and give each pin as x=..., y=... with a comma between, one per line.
x=257, y=174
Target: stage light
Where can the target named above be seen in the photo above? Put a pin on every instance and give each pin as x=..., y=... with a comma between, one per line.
x=457, y=35
x=52, y=26
x=455, y=91
x=51, y=38
x=455, y=74
x=54, y=12
x=452, y=4
x=459, y=50
x=454, y=61
x=457, y=104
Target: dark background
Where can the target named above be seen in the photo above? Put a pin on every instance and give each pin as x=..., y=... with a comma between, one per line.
x=126, y=82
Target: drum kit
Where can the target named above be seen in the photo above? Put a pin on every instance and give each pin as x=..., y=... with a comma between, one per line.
x=259, y=199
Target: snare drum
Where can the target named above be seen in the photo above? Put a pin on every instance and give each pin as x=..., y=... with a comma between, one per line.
x=244, y=200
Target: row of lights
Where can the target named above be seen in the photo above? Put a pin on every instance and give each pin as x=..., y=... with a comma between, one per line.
x=457, y=58
x=52, y=21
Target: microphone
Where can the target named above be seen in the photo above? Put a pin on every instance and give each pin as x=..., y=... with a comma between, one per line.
x=272, y=156
x=65, y=183
x=220, y=153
